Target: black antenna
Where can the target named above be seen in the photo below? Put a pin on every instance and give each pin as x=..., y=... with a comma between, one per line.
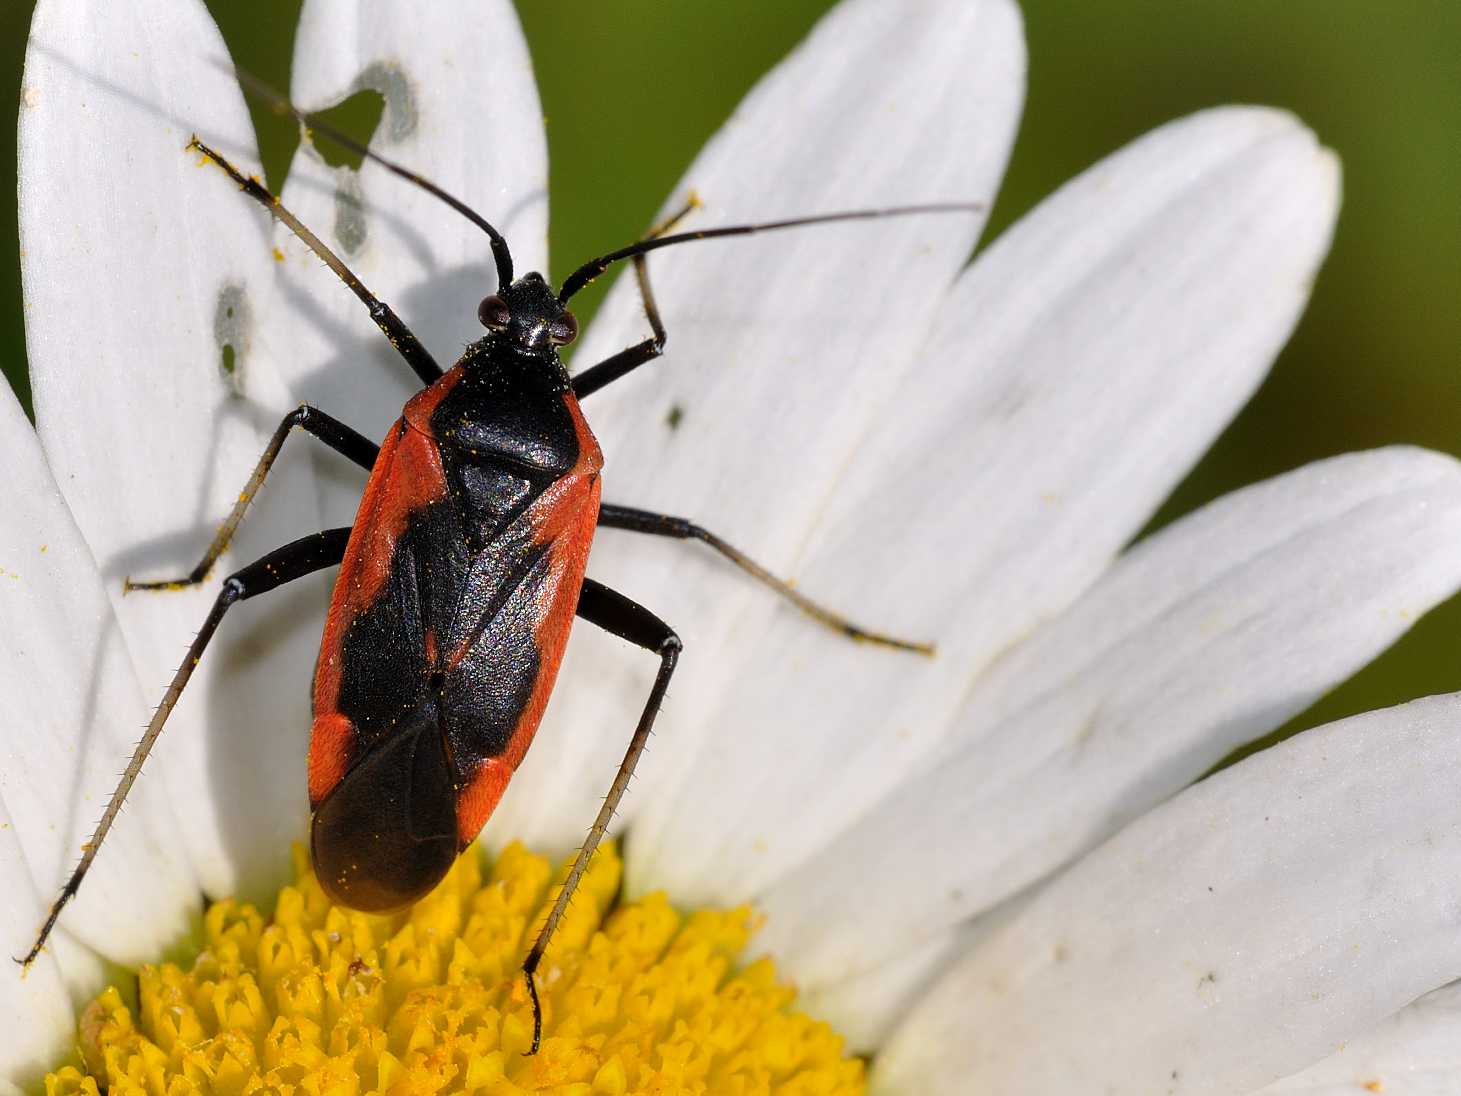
x=594, y=267
x=500, y=254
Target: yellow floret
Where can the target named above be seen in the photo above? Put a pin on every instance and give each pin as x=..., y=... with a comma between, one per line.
x=323, y=1001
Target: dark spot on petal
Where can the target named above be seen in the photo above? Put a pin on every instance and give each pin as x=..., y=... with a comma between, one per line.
x=383, y=106
x=232, y=328
x=390, y=81
x=674, y=416
x=350, y=224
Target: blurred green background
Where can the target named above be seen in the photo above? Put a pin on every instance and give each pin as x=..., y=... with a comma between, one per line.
x=640, y=84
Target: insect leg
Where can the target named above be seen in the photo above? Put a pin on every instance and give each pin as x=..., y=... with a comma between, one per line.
x=334, y=433
x=303, y=557
x=631, y=358
x=662, y=525
x=613, y=612
x=400, y=336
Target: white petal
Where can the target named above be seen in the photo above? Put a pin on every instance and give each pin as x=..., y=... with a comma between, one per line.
x=85, y=972
x=1416, y=1052
x=782, y=350
x=461, y=109
x=1230, y=937
x=27, y=1048
x=73, y=709
x=865, y=1007
x=1078, y=370
x=1207, y=636
x=139, y=265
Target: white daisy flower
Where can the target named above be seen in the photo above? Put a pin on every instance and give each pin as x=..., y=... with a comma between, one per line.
x=981, y=868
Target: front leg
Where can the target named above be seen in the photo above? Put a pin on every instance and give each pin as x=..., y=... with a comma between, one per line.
x=391, y=325
x=631, y=358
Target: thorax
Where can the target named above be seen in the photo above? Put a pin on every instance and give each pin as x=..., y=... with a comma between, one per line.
x=508, y=434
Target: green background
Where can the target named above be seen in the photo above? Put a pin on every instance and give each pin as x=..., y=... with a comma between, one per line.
x=640, y=84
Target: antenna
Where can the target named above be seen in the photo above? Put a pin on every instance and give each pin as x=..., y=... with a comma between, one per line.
x=500, y=254
x=594, y=267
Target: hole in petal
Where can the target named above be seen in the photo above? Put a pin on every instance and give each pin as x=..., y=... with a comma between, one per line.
x=384, y=105
x=358, y=116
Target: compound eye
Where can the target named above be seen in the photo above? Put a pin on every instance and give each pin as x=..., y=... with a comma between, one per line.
x=494, y=313
x=563, y=331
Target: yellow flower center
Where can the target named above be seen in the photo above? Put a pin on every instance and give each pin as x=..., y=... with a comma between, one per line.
x=324, y=1001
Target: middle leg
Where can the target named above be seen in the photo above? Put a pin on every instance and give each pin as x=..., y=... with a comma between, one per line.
x=334, y=433
x=663, y=525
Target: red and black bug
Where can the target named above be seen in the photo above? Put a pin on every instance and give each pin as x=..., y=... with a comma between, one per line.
x=459, y=579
